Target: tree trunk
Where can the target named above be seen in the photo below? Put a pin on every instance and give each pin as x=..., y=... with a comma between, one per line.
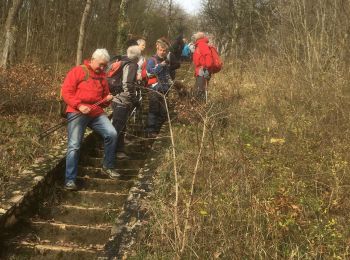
x=82, y=32
x=28, y=31
x=9, y=32
x=170, y=18
x=122, y=32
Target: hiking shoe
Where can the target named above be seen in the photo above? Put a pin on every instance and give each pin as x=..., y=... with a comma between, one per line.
x=112, y=173
x=122, y=156
x=70, y=185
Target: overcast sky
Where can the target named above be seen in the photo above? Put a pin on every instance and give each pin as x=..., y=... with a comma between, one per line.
x=191, y=6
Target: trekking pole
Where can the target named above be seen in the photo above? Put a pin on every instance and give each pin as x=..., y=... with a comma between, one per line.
x=206, y=91
x=58, y=126
x=133, y=112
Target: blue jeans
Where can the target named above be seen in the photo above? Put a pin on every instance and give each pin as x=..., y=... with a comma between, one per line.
x=76, y=130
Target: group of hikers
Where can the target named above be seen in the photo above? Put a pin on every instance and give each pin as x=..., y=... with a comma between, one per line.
x=103, y=81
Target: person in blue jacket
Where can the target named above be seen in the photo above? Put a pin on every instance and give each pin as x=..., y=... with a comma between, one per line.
x=159, y=82
x=186, y=51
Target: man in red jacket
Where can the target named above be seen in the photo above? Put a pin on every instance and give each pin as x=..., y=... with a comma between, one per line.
x=84, y=86
x=202, y=61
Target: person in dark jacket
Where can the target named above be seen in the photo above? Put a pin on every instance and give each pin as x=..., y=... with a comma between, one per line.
x=124, y=88
x=174, y=55
x=159, y=81
x=84, y=86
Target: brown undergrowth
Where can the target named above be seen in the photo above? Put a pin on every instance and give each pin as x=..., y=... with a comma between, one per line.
x=29, y=94
x=273, y=176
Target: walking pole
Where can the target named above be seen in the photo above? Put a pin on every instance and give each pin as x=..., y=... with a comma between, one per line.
x=206, y=91
x=58, y=126
x=138, y=93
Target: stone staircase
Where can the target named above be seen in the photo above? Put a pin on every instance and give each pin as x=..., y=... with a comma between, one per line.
x=77, y=224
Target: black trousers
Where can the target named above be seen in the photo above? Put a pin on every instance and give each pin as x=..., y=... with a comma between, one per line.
x=200, y=87
x=157, y=113
x=120, y=117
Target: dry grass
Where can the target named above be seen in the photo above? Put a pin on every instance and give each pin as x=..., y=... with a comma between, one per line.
x=273, y=177
x=29, y=106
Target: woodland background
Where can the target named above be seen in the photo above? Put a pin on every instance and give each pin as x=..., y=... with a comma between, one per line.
x=271, y=179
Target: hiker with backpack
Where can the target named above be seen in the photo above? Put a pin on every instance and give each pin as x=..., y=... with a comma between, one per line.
x=186, y=53
x=206, y=61
x=84, y=86
x=122, y=83
x=174, y=55
x=159, y=81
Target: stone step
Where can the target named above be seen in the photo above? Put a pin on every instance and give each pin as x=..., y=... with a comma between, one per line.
x=93, y=199
x=77, y=215
x=132, y=154
x=58, y=233
x=120, y=164
x=136, y=126
x=43, y=251
x=95, y=172
x=104, y=185
x=130, y=147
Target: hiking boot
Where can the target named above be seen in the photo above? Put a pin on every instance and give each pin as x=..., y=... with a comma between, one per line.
x=112, y=173
x=70, y=185
x=122, y=156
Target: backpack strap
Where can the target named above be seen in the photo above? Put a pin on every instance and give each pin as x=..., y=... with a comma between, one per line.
x=87, y=74
x=86, y=77
x=86, y=70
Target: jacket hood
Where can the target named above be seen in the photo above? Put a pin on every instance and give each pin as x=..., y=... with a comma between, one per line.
x=202, y=40
x=94, y=73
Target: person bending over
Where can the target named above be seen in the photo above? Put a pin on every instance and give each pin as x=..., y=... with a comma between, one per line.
x=84, y=86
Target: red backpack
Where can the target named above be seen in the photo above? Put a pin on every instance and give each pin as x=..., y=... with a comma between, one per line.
x=112, y=69
x=217, y=63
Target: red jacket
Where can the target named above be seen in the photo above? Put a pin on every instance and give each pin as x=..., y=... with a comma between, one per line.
x=77, y=91
x=202, y=55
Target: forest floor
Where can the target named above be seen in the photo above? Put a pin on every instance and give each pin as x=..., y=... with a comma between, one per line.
x=29, y=94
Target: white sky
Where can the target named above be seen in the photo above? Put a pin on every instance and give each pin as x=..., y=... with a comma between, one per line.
x=191, y=6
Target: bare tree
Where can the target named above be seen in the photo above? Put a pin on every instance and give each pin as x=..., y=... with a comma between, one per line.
x=82, y=31
x=48, y=35
x=170, y=20
x=122, y=32
x=9, y=32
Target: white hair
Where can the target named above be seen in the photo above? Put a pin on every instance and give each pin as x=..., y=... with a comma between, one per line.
x=139, y=41
x=133, y=52
x=199, y=35
x=101, y=54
